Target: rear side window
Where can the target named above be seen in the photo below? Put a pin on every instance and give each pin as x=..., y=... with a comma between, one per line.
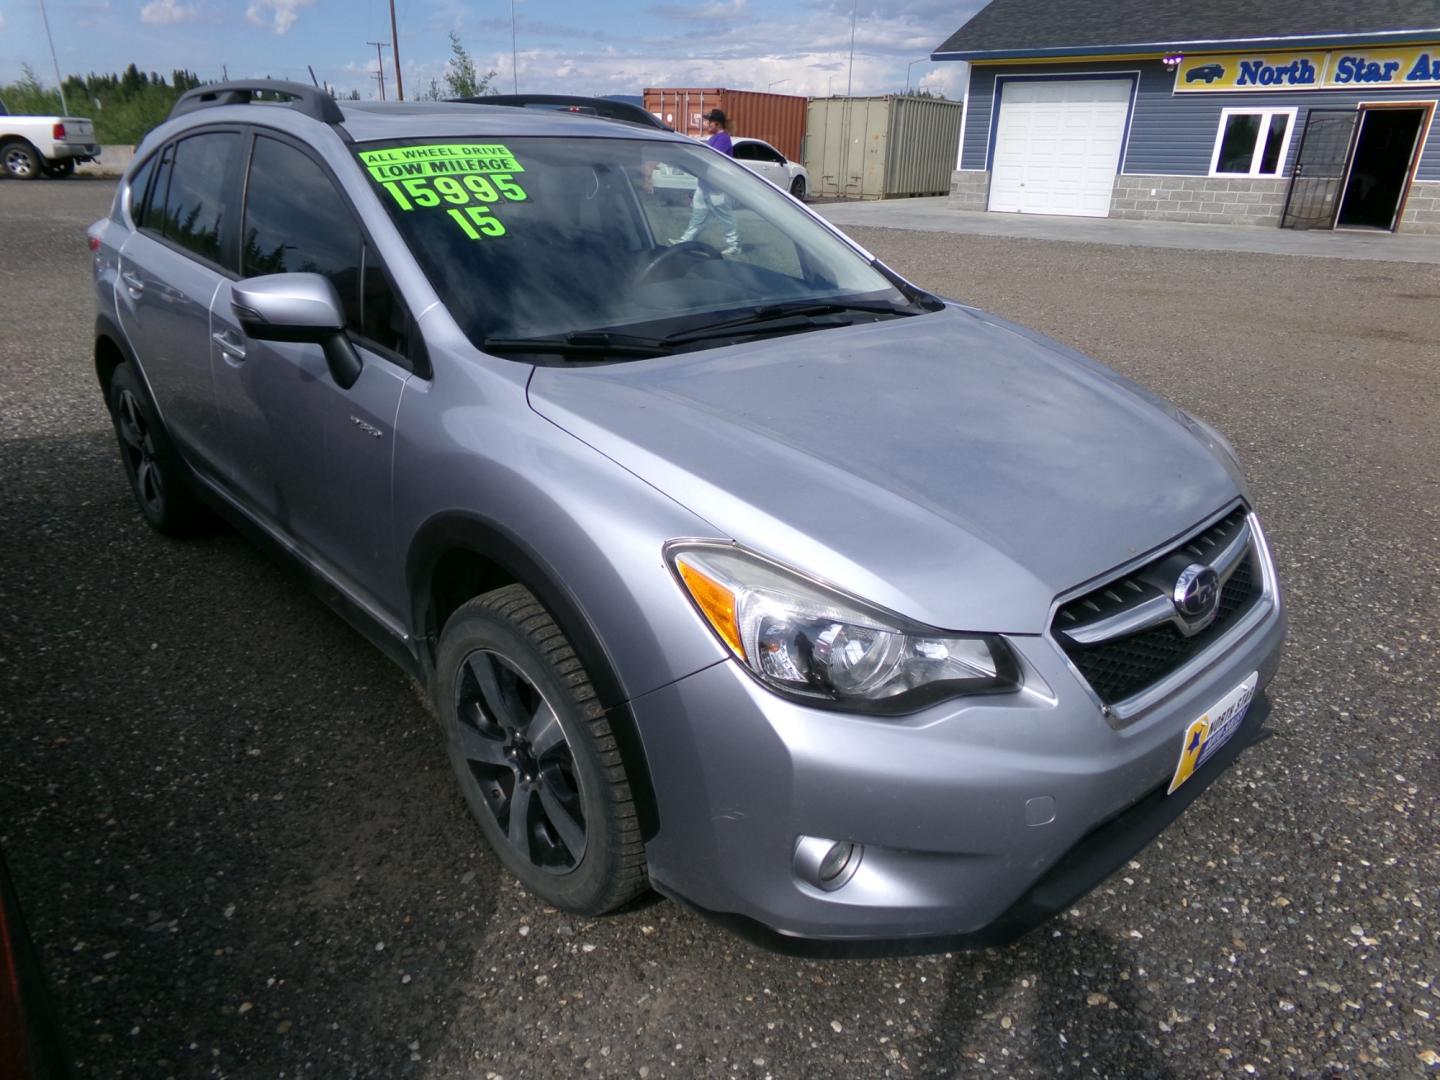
x=138, y=184
x=296, y=221
x=153, y=216
x=195, y=206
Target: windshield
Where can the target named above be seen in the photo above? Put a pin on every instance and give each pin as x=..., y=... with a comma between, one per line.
x=546, y=237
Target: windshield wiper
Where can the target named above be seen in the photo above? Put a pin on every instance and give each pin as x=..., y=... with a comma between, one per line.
x=582, y=344
x=774, y=313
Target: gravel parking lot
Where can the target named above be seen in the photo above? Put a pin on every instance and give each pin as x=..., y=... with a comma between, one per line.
x=242, y=853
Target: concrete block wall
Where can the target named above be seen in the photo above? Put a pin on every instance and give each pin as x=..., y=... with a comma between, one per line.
x=1207, y=199
x=1422, y=209
x=113, y=161
x=969, y=190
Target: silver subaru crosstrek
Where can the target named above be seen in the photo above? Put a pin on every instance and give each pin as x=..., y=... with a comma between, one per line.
x=737, y=565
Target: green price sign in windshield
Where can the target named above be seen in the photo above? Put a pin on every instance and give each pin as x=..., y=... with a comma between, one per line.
x=462, y=180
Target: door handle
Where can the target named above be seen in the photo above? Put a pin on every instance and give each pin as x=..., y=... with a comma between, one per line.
x=133, y=281
x=228, y=345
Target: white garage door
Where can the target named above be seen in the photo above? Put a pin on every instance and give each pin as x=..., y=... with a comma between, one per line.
x=1057, y=146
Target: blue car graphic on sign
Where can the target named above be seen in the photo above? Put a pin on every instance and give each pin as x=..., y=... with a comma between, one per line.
x=1206, y=74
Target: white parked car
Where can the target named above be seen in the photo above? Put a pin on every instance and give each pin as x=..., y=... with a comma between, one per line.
x=32, y=146
x=760, y=157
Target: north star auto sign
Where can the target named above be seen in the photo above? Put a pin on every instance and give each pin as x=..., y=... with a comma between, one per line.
x=1340, y=69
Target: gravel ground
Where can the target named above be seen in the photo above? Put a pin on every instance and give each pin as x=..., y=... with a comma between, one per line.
x=242, y=854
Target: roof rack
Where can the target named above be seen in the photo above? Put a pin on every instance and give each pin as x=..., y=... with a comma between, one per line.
x=310, y=101
x=604, y=108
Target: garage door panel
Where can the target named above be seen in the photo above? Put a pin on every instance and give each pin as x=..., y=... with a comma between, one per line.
x=1057, y=146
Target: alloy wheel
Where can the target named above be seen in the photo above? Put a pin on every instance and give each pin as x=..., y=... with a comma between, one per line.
x=520, y=760
x=138, y=444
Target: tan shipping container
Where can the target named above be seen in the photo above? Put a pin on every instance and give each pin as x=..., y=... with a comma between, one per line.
x=881, y=147
x=779, y=119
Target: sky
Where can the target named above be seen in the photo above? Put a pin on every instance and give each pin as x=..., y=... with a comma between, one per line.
x=569, y=46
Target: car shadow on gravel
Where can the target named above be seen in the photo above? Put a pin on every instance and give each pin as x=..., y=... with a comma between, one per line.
x=1065, y=1001
x=232, y=821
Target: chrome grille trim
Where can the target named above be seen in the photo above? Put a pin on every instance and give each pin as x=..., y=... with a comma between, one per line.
x=1158, y=609
x=1262, y=612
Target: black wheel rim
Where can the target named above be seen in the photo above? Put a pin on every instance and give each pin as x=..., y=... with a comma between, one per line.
x=137, y=444
x=516, y=753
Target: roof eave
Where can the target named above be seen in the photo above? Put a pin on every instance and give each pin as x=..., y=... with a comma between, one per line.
x=1298, y=41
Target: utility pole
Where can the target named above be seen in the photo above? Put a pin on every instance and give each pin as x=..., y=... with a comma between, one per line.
x=60, y=82
x=850, y=74
x=380, y=64
x=514, y=53
x=395, y=52
x=910, y=65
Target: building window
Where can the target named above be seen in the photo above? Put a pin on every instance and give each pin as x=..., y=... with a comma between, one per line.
x=1252, y=142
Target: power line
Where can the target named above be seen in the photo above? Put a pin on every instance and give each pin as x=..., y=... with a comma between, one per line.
x=380, y=64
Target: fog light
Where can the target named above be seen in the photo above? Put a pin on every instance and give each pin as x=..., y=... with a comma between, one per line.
x=826, y=864
x=835, y=861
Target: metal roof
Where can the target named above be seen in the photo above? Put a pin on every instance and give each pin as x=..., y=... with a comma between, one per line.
x=1024, y=29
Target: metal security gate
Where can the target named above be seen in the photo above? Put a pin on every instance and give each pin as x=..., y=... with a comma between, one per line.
x=1320, y=164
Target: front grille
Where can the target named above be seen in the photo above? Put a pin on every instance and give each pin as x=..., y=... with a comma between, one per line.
x=1122, y=667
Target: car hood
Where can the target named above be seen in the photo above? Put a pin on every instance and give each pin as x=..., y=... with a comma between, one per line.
x=952, y=467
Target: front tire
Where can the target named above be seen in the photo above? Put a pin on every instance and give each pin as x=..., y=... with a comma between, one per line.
x=20, y=161
x=797, y=188
x=157, y=477
x=535, y=756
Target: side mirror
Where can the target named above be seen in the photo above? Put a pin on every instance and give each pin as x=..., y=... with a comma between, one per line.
x=298, y=308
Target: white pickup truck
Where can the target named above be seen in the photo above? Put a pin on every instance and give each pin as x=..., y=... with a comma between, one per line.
x=31, y=146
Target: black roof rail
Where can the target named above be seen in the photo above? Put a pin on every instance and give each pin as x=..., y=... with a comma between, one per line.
x=604, y=108
x=310, y=101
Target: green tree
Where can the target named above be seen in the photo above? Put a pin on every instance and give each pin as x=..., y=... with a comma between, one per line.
x=462, y=79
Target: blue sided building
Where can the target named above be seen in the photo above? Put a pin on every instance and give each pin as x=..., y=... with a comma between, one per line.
x=1313, y=114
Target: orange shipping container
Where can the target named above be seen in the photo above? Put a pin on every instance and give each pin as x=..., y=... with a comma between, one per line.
x=779, y=119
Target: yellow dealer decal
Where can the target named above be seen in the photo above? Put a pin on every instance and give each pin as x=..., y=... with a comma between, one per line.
x=462, y=180
x=1339, y=69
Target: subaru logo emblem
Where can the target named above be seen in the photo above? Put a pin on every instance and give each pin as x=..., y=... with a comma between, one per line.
x=1196, y=591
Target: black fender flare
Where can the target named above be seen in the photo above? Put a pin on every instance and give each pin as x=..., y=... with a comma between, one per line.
x=469, y=531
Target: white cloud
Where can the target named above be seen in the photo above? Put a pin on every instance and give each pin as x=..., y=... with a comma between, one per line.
x=2, y=20
x=163, y=12
x=803, y=48
x=279, y=15
x=717, y=11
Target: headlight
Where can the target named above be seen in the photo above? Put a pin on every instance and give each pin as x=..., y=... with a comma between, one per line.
x=807, y=640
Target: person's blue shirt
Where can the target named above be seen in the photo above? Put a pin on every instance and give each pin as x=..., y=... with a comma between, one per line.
x=721, y=141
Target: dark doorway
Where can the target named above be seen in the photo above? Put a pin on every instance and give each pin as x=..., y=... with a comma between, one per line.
x=1380, y=167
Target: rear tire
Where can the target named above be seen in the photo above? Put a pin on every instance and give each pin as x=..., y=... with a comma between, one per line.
x=156, y=473
x=798, y=188
x=20, y=161
x=534, y=754
x=59, y=168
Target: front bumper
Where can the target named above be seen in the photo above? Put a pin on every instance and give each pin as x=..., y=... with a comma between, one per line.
x=980, y=818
